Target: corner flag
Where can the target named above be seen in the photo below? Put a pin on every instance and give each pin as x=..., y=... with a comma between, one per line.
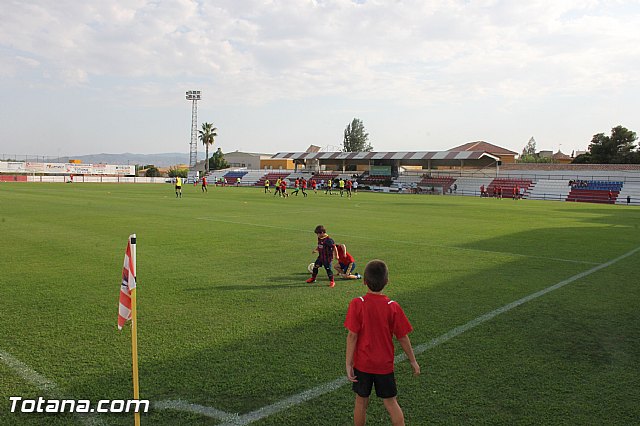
x=127, y=311
x=128, y=282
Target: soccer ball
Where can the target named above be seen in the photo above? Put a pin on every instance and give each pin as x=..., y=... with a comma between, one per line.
x=310, y=268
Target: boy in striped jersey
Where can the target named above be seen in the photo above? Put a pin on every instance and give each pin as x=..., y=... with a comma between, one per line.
x=326, y=250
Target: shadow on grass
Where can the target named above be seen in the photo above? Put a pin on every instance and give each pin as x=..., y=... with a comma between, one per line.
x=259, y=369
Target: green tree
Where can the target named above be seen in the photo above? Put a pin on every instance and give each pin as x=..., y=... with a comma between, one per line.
x=529, y=154
x=174, y=172
x=152, y=171
x=533, y=158
x=529, y=148
x=355, y=138
x=217, y=161
x=617, y=148
x=207, y=136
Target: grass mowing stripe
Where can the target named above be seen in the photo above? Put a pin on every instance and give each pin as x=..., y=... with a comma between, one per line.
x=42, y=383
x=556, y=259
x=341, y=381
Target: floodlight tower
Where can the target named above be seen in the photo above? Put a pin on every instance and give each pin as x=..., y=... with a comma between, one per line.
x=194, y=97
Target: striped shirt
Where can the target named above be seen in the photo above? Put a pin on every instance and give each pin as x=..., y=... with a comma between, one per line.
x=325, y=249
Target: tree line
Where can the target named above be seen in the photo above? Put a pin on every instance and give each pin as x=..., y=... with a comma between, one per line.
x=617, y=148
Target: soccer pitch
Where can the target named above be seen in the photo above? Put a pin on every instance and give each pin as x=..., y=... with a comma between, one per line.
x=227, y=326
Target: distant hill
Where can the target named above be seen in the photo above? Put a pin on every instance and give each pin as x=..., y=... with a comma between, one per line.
x=158, y=160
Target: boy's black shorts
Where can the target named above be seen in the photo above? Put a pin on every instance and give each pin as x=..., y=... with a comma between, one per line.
x=385, y=384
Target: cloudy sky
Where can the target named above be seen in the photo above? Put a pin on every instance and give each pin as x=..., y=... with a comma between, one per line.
x=94, y=76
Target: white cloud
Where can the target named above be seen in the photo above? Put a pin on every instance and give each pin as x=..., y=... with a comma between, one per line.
x=412, y=53
x=258, y=51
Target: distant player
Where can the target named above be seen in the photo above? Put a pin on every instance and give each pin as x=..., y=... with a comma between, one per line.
x=346, y=266
x=328, y=188
x=349, y=185
x=326, y=250
x=266, y=186
x=204, y=184
x=278, y=182
x=303, y=186
x=341, y=186
x=178, y=187
x=296, y=185
x=314, y=185
x=283, y=188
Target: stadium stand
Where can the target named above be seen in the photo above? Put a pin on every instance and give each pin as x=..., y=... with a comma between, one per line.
x=325, y=175
x=471, y=186
x=370, y=180
x=549, y=189
x=631, y=190
x=507, y=185
x=443, y=183
x=252, y=177
x=273, y=177
x=594, y=191
x=232, y=177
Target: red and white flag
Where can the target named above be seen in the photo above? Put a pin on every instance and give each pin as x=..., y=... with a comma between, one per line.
x=128, y=282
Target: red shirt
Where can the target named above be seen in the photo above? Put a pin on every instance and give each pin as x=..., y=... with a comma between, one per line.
x=344, y=257
x=375, y=319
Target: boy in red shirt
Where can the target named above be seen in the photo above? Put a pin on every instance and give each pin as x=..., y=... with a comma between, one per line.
x=346, y=264
x=372, y=319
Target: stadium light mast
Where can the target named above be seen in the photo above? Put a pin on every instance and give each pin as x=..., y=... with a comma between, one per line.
x=194, y=97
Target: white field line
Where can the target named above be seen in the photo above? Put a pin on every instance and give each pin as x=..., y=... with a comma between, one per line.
x=261, y=413
x=556, y=259
x=43, y=384
x=180, y=405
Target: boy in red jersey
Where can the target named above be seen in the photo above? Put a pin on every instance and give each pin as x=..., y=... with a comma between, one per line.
x=296, y=186
x=346, y=264
x=349, y=184
x=371, y=321
x=326, y=250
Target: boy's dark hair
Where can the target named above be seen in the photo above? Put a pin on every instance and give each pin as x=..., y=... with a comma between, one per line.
x=320, y=230
x=376, y=275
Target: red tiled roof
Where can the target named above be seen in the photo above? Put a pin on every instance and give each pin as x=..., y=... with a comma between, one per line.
x=483, y=146
x=558, y=155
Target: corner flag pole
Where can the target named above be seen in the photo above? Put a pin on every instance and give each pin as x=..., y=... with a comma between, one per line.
x=134, y=330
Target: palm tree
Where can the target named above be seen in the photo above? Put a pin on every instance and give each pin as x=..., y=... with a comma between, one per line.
x=207, y=135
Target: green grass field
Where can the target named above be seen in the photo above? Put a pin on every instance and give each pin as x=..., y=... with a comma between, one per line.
x=226, y=320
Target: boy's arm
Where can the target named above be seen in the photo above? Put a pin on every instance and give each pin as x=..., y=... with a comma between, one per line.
x=406, y=347
x=352, y=339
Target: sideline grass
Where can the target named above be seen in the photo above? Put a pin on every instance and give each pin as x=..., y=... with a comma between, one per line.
x=226, y=320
